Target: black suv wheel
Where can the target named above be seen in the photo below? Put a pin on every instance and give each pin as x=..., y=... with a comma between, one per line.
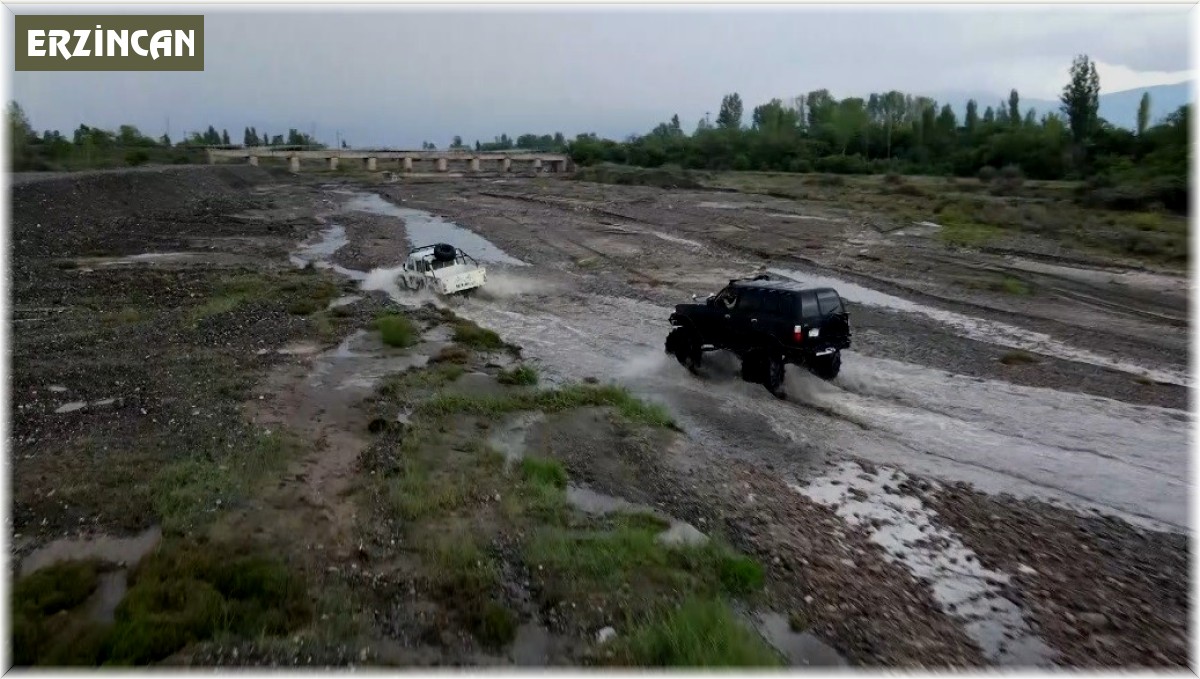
x=685, y=346
x=826, y=367
x=766, y=368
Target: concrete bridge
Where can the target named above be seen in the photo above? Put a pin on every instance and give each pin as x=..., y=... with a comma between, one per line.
x=496, y=161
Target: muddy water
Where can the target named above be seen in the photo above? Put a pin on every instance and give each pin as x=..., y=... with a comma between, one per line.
x=104, y=548
x=982, y=330
x=591, y=502
x=1074, y=449
x=424, y=228
x=801, y=649
x=907, y=531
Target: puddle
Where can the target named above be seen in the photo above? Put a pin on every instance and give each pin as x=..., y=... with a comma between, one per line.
x=346, y=300
x=350, y=365
x=799, y=648
x=110, y=589
x=981, y=330
x=906, y=530
x=531, y=646
x=509, y=440
x=104, y=548
x=70, y=407
x=589, y=501
x=318, y=253
x=424, y=228
x=681, y=533
x=680, y=241
x=299, y=349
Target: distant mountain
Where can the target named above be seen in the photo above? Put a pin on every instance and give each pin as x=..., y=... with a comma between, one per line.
x=1118, y=108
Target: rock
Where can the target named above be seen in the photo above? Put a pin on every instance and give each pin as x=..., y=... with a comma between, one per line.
x=605, y=635
x=1094, y=619
x=1025, y=570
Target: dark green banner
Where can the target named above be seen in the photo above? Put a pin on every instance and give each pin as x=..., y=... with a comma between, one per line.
x=110, y=42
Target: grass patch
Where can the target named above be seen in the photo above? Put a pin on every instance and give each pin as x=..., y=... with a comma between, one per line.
x=1018, y=357
x=190, y=592
x=628, y=553
x=557, y=400
x=1015, y=286
x=544, y=472
x=181, y=594
x=961, y=231
x=421, y=381
x=397, y=330
x=699, y=633
x=524, y=375
x=469, y=334
x=184, y=492
x=300, y=292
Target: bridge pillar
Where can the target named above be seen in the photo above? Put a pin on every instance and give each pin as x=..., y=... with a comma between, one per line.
x=506, y=165
x=441, y=164
x=253, y=160
x=537, y=165
x=333, y=162
x=406, y=163
x=475, y=165
x=371, y=164
x=294, y=163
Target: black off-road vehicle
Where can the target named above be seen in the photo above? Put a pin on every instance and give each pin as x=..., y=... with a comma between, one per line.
x=767, y=324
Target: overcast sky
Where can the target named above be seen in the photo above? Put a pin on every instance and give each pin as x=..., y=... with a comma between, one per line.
x=396, y=77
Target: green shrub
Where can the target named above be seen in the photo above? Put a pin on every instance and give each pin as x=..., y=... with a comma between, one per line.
x=521, y=375
x=986, y=174
x=699, y=633
x=471, y=335
x=136, y=157
x=397, y=330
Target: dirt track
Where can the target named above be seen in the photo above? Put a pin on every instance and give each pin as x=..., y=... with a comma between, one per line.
x=914, y=511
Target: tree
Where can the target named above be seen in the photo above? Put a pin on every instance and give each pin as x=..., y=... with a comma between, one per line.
x=1031, y=117
x=165, y=140
x=1081, y=99
x=1014, y=108
x=730, y=117
x=19, y=132
x=211, y=136
x=1002, y=114
x=893, y=107
x=676, y=129
x=225, y=137
x=1143, y=116
x=849, y=117
x=989, y=116
x=246, y=137
x=456, y=143
x=972, y=120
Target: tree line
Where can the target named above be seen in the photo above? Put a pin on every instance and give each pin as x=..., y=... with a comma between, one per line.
x=89, y=146
x=895, y=132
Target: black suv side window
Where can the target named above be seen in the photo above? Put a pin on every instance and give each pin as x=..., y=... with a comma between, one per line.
x=727, y=299
x=830, y=302
x=751, y=301
x=808, y=302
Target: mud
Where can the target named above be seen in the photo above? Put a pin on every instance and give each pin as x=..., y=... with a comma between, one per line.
x=887, y=549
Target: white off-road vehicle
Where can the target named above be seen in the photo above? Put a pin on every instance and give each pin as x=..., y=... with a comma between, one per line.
x=441, y=268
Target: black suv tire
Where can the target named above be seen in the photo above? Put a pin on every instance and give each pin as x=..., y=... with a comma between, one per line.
x=764, y=367
x=685, y=346
x=826, y=367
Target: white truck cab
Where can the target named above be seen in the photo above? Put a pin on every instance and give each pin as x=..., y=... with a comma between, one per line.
x=442, y=268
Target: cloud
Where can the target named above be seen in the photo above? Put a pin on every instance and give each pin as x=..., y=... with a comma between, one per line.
x=400, y=76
